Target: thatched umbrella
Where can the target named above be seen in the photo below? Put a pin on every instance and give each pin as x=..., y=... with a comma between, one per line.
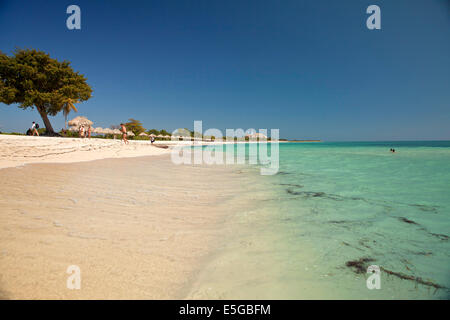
x=98, y=130
x=73, y=129
x=80, y=121
x=108, y=131
x=143, y=134
x=117, y=131
x=167, y=137
x=131, y=133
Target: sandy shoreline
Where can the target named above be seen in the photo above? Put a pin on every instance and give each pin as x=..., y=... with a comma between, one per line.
x=137, y=225
x=20, y=150
x=138, y=228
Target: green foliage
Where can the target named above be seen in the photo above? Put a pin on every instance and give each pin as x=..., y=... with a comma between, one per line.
x=154, y=131
x=164, y=133
x=13, y=133
x=135, y=126
x=69, y=134
x=138, y=138
x=31, y=78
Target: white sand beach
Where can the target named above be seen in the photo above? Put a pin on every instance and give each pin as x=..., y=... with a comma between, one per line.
x=21, y=150
x=18, y=150
x=138, y=228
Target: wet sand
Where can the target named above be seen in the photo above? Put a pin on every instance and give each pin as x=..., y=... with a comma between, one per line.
x=138, y=228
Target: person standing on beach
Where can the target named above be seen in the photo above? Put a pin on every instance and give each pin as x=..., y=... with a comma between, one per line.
x=82, y=132
x=89, y=132
x=34, y=128
x=124, y=133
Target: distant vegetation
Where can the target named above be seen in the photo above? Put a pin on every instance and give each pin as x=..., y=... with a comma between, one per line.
x=135, y=126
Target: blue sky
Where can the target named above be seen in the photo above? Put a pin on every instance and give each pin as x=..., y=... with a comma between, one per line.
x=310, y=68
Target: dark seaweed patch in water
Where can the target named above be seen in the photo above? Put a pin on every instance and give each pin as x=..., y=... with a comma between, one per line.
x=359, y=266
x=338, y=221
x=412, y=278
x=424, y=208
x=440, y=236
x=407, y=220
x=423, y=253
x=314, y=194
x=292, y=185
x=358, y=198
x=282, y=173
x=306, y=194
x=317, y=194
x=295, y=193
x=363, y=242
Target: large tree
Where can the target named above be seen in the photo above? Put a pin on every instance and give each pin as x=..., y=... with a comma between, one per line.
x=31, y=79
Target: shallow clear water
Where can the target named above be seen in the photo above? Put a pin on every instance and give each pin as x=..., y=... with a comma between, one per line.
x=332, y=203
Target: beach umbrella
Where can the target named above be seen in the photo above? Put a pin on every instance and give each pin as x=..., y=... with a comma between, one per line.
x=131, y=133
x=160, y=136
x=98, y=130
x=74, y=129
x=108, y=131
x=143, y=134
x=116, y=131
x=80, y=121
x=152, y=135
x=167, y=137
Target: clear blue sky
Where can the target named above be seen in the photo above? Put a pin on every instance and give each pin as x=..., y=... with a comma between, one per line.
x=310, y=68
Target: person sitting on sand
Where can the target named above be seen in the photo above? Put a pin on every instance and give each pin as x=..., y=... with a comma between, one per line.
x=124, y=133
x=34, y=128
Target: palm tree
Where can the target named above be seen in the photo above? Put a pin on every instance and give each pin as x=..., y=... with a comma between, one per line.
x=69, y=106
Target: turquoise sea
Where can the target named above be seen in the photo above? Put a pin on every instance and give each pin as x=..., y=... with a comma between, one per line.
x=333, y=209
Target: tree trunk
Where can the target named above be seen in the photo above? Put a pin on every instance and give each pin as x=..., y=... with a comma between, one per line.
x=47, y=123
